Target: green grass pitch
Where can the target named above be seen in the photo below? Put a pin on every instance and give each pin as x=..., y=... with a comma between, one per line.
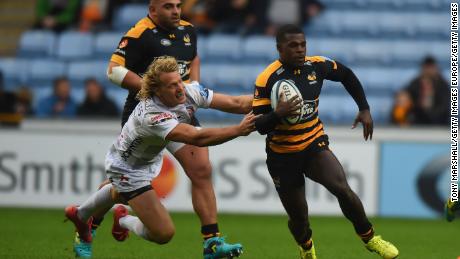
x=38, y=233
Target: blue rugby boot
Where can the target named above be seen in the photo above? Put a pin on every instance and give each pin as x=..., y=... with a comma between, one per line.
x=216, y=247
x=81, y=248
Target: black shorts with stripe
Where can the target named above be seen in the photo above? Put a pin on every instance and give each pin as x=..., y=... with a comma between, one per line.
x=288, y=170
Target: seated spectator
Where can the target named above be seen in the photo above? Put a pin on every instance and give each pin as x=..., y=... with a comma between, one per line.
x=96, y=103
x=429, y=98
x=94, y=15
x=402, y=114
x=299, y=12
x=237, y=16
x=59, y=103
x=196, y=12
x=8, y=100
x=56, y=15
x=24, y=101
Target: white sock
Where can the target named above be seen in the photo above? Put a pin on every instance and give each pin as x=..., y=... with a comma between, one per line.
x=135, y=225
x=100, y=199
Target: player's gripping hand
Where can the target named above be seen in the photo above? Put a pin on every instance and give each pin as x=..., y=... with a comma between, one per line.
x=288, y=107
x=368, y=125
x=248, y=124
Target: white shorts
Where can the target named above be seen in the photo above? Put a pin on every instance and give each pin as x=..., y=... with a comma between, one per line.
x=127, y=182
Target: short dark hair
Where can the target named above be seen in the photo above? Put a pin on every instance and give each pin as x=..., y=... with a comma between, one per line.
x=429, y=61
x=287, y=29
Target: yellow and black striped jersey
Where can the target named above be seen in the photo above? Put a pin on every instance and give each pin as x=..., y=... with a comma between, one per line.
x=146, y=41
x=309, y=80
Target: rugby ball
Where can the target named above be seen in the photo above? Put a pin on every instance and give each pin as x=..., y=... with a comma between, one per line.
x=288, y=88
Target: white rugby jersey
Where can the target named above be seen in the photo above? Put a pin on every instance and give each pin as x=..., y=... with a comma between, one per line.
x=139, y=148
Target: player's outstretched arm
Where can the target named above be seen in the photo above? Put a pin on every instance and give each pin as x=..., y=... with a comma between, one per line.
x=188, y=134
x=232, y=104
x=365, y=118
x=123, y=77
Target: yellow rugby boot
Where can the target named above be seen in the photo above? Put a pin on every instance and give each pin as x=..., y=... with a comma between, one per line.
x=308, y=254
x=384, y=248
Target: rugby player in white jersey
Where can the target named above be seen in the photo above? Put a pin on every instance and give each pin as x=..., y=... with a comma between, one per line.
x=135, y=158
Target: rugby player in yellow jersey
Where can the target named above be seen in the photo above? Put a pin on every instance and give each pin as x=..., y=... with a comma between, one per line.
x=301, y=150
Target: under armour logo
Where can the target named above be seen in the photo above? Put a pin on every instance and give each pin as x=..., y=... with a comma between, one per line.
x=172, y=36
x=321, y=144
x=297, y=72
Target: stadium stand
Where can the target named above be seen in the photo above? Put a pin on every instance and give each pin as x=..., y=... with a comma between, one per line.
x=37, y=43
x=382, y=41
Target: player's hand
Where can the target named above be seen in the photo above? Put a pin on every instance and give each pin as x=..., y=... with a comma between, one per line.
x=368, y=125
x=288, y=107
x=248, y=124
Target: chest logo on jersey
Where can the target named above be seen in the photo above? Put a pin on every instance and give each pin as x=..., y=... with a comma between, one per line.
x=187, y=40
x=165, y=42
x=160, y=118
x=312, y=78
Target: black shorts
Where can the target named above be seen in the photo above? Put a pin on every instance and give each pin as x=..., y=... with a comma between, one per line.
x=288, y=170
x=131, y=195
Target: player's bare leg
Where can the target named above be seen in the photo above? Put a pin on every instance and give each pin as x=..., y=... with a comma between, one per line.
x=195, y=162
x=152, y=223
x=325, y=169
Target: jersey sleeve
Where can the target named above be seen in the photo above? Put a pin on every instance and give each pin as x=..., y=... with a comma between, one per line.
x=261, y=103
x=160, y=123
x=194, y=40
x=326, y=67
x=200, y=95
x=128, y=52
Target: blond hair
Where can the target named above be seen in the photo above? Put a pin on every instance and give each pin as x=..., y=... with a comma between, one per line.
x=151, y=78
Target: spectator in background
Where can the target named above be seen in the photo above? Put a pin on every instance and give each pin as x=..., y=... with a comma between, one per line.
x=196, y=12
x=8, y=115
x=60, y=103
x=94, y=15
x=298, y=12
x=238, y=16
x=56, y=15
x=24, y=101
x=7, y=99
x=428, y=102
x=96, y=103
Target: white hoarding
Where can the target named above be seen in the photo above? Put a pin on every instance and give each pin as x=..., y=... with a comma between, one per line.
x=53, y=169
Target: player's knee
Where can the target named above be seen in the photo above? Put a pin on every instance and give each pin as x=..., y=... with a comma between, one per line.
x=342, y=191
x=200, y=172
x=164, y=236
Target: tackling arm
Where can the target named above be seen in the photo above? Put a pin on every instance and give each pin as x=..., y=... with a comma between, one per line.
x=123, y=77
x=232, y=104
x=188, y=134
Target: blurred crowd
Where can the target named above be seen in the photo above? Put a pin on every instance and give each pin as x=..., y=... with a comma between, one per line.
x=232, y=16
x=424, y=101
x=60, y=103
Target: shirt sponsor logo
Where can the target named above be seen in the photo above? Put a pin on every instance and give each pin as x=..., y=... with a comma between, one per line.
x=309, y=108
x=181, y=28
x=165, y=42
x=160, y=118
x=187, y=40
